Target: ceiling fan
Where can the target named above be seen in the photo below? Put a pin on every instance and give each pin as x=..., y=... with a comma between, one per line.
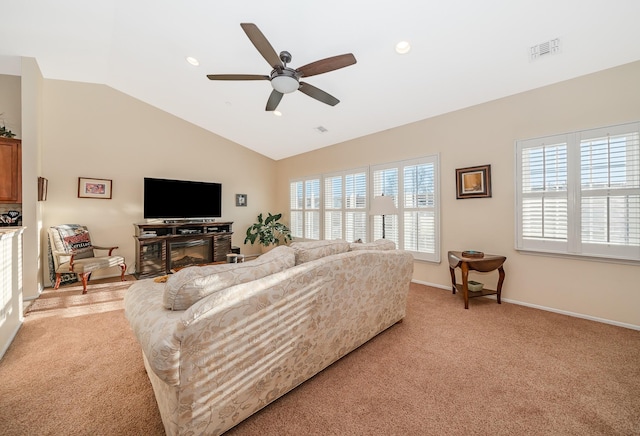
x=284, y=79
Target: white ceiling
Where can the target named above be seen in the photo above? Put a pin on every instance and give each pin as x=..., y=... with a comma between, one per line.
x=464, y=52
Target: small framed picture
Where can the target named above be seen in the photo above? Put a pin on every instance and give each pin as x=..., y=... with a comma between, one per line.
x=43, y=185
x=94, y=188
x=241, y=200
x=473, y=182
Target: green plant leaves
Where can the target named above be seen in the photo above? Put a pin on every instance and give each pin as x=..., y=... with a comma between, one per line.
x=268, y=231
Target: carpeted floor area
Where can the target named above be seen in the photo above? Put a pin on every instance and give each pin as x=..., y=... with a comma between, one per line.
x=75, y=369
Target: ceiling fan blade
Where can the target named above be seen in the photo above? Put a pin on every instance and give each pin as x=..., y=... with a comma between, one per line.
x=237, y=77
x=274, y=100
x=318, y=94
x=262, y=44
x=326, y=65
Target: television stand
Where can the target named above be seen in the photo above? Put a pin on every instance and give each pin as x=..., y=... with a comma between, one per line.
x=162, y=247
x=188, y=221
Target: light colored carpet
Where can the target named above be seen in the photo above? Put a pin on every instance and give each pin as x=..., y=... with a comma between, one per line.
x=75, y=368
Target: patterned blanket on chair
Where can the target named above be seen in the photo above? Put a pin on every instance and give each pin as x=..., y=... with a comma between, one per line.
x=73, y=237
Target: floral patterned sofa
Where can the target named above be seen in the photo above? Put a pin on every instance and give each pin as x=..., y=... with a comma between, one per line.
x=221, y=342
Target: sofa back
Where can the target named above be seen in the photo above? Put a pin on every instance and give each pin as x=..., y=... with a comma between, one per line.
x=266, y=337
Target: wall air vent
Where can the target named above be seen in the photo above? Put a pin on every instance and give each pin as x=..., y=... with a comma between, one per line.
x=545, y=49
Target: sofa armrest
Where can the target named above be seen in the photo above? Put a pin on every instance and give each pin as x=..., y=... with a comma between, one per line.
x=155, y=328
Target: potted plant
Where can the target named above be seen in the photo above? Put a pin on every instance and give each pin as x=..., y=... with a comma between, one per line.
x=268, y=232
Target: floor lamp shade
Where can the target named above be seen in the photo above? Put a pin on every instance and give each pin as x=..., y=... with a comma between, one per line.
x=383, y=205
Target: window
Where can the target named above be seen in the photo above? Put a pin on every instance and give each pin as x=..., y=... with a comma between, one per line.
x=579, y=193
x=341, y=209
x=345, y=205
x=414, y=186
x=305, y=208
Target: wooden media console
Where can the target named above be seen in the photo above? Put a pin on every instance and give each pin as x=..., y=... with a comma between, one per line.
x=161, y=247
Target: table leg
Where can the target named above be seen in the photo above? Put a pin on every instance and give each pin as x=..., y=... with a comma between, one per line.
x=500, y=280
x=453, y=280
x=465, y=283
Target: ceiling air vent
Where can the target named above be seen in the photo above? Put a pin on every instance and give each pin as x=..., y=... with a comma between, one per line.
x=545, y=49
x=321, y=129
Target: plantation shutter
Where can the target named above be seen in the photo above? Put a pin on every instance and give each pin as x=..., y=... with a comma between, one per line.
x=414, y=187
x=333, y=201
x=312, y=209
x=610, y=192
x=386, y=182
x=356, y=206
x=296, y=212
x=345, y=205
x=543, y=194
x=304, y=209
x=419, y=208
x=579, y=193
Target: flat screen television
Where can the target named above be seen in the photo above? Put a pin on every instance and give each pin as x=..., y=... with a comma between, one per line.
x=181, y=199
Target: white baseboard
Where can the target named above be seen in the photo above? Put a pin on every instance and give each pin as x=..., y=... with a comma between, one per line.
x=13, y=336
x=548, y=309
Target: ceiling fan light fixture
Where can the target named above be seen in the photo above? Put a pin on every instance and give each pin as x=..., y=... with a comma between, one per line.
x=285, y=84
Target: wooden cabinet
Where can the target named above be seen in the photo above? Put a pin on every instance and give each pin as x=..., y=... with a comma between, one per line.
x=162, y=247
x=10, y=170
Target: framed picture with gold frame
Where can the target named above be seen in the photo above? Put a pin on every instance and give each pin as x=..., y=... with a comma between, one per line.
x=94, y=188
x=473, y=182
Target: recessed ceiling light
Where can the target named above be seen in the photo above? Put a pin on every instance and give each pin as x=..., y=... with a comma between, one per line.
x=193, y=61
x=403, y=47
x=277, y=113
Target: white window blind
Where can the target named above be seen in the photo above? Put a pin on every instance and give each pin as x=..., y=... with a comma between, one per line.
x=414, y=186
x=340, y=210
x=296, y=212
x=419, y=208
x=579, y=193
x=385, y=182
x=345, y=205
x=305, y=208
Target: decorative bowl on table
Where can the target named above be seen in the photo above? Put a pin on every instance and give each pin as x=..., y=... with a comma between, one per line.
x=473, y=254
x=474, y=286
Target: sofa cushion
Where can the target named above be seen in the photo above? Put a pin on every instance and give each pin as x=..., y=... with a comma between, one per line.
x=194, y=283
x=312, y=250
x=378, y=244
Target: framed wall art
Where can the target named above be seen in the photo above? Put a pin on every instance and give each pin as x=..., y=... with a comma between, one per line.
x=473, y=182
x=43, y=186
x=241, y=200
x=94, y=188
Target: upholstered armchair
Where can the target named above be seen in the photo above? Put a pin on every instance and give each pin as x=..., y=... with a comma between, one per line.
x=73, y=253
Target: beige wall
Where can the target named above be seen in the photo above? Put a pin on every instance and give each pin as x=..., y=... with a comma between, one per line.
x=10, y=96
x=94, y=131
x=485, y=134
x=31, y=169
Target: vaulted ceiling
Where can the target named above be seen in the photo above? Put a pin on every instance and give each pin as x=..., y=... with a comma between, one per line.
x=463, y=52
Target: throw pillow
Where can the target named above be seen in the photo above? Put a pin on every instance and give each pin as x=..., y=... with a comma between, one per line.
x=378, y=244
x=76, y=238
x=194, y=283
x=312, y=250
